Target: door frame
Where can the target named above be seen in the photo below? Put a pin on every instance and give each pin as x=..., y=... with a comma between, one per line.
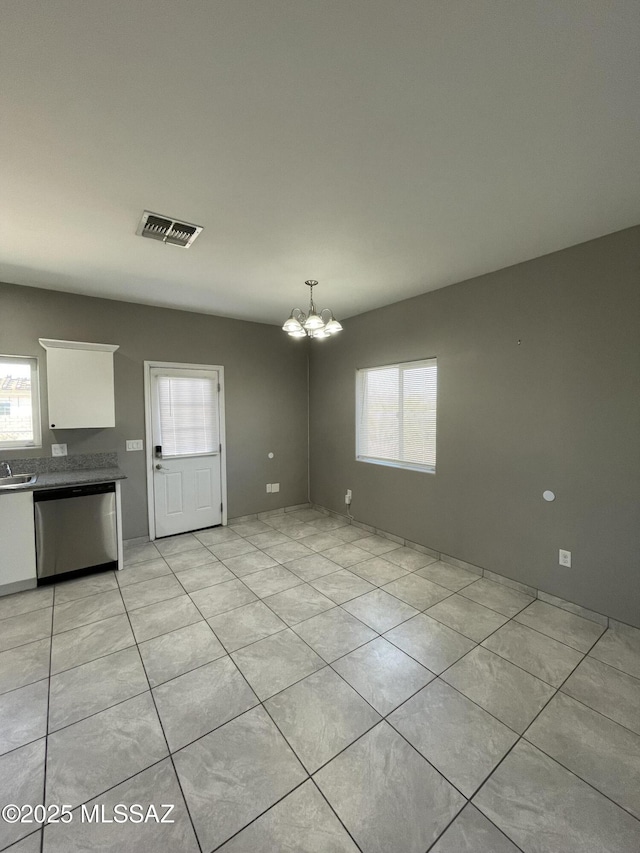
x=149, y=457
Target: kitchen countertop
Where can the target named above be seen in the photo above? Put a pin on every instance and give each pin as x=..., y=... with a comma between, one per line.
x=60, y=479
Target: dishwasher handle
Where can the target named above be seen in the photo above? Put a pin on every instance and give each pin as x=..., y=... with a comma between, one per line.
x=74, y=491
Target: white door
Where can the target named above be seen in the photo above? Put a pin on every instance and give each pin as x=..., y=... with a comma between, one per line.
x=186, y=451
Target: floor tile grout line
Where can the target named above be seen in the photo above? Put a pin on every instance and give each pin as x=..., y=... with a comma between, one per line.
x=377, y=587
x=521, y=737
x=309, y=774
x=260, y=703
x=176, y=575
x=595, y=710
x=25, y=612
x=382, y=716
x=46, y=737
x=98, y=657
x=469, y=805
x=262, y=813
x=522, y=624
x=538, y=631
x=325, y=798
x=164, y=735
x=22, y=645
x=85, y=624
x=586, y=781
x=492, y=609
x=438, y=676
x=21, y=687
x=321, y=553
x=477, y=704
x=172, y=571
x=556, y=689
x=339, y=605
x=512, y=619
x=82, y=719
x=112, y=787
x=612, y=666
x=460, y=591
x=371, y=556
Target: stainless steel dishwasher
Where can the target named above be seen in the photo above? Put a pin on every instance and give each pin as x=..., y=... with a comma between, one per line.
x=75, y=529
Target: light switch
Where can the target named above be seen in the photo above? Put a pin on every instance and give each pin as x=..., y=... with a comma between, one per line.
x=58, y=449
x=135, y=444
x=275, y=487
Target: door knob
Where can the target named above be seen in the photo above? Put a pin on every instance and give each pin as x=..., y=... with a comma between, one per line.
x=159, y=467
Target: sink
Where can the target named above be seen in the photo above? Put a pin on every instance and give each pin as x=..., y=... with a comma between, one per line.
x=16, y=481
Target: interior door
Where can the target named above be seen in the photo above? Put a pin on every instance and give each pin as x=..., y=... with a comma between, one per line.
x=187, y=475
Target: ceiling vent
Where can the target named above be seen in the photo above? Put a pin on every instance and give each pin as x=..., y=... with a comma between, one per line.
x=167, y=230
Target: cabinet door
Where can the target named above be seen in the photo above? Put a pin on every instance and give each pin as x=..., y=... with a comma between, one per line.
x=80, y=388
x=17, y=534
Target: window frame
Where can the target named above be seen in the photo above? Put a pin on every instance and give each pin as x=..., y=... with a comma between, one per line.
x=393, y=463
x=33, y=362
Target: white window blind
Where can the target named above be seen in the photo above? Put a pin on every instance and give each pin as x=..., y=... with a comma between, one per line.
x=19, y=402
x=188, y=415
x=396, y=414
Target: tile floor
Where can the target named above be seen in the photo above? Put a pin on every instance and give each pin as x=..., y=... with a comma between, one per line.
x=295, y=684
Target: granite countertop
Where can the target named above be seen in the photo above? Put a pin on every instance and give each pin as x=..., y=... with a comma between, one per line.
x=59, y=479
x=58, y=472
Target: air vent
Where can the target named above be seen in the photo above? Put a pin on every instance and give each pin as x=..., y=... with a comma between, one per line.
x=167, y=230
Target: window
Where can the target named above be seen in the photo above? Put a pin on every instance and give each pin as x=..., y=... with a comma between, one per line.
x=396, y=415
x=19, y=402
x=188, y=410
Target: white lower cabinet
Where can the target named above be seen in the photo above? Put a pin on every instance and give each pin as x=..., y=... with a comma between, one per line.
x=17, y=535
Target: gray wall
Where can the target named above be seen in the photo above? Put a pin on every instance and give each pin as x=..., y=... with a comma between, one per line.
x=560, y=411
x=265, y=379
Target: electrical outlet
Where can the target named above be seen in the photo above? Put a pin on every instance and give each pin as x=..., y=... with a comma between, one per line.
x=565, y=558
x=269, y=488
x=275, y=487
x=58, y=449
x=135, y=444
x=348, y=497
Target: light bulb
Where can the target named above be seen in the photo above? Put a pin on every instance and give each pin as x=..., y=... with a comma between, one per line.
x=313, y=322
x=332, y=327
x=292, y=325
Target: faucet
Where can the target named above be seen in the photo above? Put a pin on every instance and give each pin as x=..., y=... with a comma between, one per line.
x=8, y=467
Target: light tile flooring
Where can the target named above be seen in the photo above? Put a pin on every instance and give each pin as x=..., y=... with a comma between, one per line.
x=296, y=684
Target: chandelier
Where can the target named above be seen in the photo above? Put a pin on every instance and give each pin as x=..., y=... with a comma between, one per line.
x=315, y=324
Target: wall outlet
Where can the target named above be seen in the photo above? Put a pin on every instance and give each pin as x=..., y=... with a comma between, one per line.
x=135, y=444
x=275, y=487
x=348, y=497
x=269, y=488
x=565, y=558
x=58, y=449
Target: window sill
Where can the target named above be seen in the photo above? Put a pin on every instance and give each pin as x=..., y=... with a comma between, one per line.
x=386, y=463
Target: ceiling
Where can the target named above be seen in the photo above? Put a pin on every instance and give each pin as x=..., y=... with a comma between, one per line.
x=383, y=148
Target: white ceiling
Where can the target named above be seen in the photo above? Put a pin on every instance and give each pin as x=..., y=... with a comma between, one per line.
x=384, y=147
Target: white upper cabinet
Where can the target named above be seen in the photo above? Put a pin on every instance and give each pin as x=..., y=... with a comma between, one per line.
x=80, y=384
